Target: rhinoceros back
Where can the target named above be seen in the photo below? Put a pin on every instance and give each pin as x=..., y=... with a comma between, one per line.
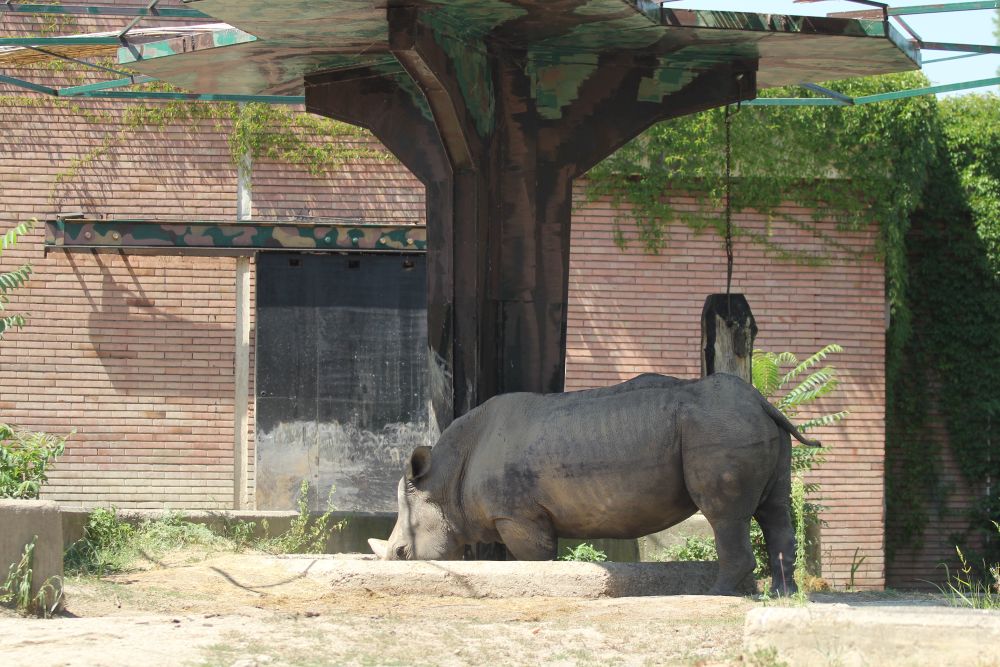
x=602, y=464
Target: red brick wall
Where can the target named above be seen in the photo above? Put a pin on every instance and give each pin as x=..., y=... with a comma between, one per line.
x=632, y=312
x=135, y=352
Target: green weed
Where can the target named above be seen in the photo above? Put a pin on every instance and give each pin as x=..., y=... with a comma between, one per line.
x=695, y=548
x=966, y=588
x=16, y=588
x=585, y=553
x=305, y=535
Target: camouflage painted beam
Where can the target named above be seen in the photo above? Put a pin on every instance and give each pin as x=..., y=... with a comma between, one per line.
x=83, y=234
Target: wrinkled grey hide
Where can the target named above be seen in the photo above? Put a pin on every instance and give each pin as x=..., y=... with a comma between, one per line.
x=618, y=462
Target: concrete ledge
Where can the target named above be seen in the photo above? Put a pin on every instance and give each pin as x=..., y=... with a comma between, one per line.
x=848, y=636
x=506, y=579
x=22, y=521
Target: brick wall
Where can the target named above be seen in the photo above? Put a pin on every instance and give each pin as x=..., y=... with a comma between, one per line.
x=632, y=312
x=135, y=352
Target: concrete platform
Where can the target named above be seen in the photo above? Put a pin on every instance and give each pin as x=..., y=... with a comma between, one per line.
x=837, y=634
x=506, y=579
x=22, y=521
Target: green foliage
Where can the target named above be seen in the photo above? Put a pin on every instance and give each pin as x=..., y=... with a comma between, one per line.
x=256, y=130
x=110, y=544
x=954, y=363
x=11, y=280
x=25, y=459
x=305, y=535
x=695, y=548
x=585, y=553
x=854, y=164
x=15, y=591
x=971, y=588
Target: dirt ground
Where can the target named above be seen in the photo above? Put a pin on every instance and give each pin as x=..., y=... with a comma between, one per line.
x=245, y=610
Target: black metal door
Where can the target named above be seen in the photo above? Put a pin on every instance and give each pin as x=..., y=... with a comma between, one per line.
x=341, y=376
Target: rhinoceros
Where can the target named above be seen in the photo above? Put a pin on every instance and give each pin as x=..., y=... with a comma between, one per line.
x=618, y=462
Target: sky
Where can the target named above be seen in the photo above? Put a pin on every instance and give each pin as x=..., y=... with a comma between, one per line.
x=973, y=27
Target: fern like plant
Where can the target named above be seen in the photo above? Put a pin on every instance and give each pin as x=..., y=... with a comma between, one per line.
x=11, y=280
x=810, y=379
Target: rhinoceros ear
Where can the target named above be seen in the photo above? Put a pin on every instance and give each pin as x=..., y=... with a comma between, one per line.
x=419, y=463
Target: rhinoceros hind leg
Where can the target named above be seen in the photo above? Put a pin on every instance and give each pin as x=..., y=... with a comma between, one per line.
x=774, y=517
x=528, y=539
x=736, y=561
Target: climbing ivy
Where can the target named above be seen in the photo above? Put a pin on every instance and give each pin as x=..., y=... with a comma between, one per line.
x=915, y=163
x=262, y=131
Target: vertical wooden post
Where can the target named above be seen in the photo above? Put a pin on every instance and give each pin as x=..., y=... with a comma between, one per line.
x=728, y=330
x=241, y=353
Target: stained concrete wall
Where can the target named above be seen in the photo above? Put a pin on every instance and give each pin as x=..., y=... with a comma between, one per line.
x=23, y=522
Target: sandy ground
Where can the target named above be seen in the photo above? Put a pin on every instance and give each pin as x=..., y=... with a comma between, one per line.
x=246, y=610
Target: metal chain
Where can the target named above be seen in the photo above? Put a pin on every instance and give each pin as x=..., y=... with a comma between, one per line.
x=729, y=199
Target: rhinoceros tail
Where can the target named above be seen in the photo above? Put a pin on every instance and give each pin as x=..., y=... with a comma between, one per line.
x=782, y=421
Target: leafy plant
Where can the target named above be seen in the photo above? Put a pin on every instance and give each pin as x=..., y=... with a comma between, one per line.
x=770, y=380
x=584, y=553
x=695, y=547
x=25, y=459
x=305, y=534
x=11, y=280
x=16, y=588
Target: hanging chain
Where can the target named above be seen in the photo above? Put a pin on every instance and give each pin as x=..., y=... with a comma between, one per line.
x=729, y=199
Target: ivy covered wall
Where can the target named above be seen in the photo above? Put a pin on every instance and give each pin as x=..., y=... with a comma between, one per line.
x=928, y=172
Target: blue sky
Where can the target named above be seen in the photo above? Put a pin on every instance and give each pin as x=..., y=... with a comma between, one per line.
x=974, y=27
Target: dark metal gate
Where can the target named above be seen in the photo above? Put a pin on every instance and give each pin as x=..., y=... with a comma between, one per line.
x=341, y=376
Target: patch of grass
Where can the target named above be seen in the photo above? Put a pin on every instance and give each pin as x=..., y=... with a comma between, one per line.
x=111, y=544
x=585, y=553
x=969, y=588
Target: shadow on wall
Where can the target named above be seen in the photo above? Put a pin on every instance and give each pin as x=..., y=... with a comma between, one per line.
x=141, y=345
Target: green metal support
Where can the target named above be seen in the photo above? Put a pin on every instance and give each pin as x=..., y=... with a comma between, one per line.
x=196, y=97
x=103, y=85
x=227, y=238
x=943, y=7
x=868, y=99
x=21, y=83
x=793, y=102
x=929, y=90
x=942, y=60
x=59, y=41
x=90, y=10
x=951, y=46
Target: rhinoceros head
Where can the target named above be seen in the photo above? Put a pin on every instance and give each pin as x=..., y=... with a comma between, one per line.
x=422, y=531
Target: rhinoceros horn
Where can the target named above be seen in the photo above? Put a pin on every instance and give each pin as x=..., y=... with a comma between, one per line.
x=378, y=547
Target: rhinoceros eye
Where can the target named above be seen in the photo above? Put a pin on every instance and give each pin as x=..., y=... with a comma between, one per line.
x=401, y=553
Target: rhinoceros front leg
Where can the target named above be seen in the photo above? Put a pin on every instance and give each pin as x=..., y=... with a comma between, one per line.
x=528, y=539
x=736, y=561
